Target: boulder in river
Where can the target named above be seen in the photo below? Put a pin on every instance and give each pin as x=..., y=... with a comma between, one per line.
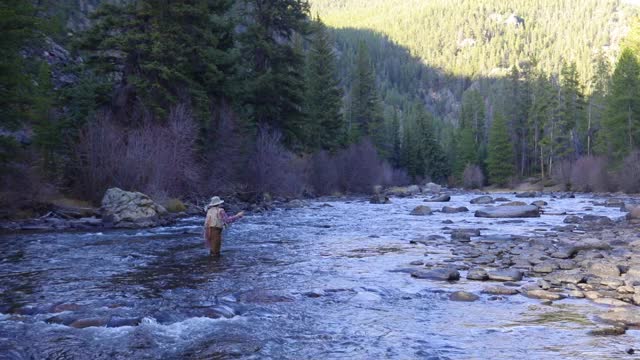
x=543, y=294
x=90, y=322
x=421, y=211
x=482, y=200
x=526, y=211
x=539, y=203
x=604, y=269
x=463, y=296
x=526, y=194
x=477, y=274
x=623, y=315
x=505, y=275
x=431, y=187
x=453, y=210
x=514, y=203
x=500, y=290
x=572, y=219
x=440, y=198
x=597, y=219
x=130, y=209
x=442, y=274
x=634, y=213
x=379, y=199
x=614, y=203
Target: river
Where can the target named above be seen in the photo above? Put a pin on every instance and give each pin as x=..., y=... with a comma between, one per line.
x=325, y=281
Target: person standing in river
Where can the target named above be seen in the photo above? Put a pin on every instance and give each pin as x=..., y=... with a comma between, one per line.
x=215, y=221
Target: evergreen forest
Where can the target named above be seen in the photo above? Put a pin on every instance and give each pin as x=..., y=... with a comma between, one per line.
x=289, y=98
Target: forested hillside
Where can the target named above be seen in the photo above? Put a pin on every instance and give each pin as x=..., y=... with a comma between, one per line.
x=259, y=97
x=543, y=65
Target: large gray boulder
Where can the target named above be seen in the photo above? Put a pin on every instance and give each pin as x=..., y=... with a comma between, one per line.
x=442, y=274
x=421, y=210
x=525, y=211
x=440, y=198
x=432, y=188
x=482, y=200
x=130, y=209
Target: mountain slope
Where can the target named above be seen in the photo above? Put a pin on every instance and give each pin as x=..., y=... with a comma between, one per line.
x=458, y=43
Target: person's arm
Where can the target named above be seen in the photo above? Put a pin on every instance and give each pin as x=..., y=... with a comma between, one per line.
x=230, y=219
x=207, y=229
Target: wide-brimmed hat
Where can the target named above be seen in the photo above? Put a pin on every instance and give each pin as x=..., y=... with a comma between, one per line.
x=215, y=201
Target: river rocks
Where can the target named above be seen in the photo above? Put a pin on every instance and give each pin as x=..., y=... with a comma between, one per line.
x=624, y=315
x=505, y=275
x=608, y=331
x=379, y=199
x=90, y=322
x=514, y=203
x=433, y=188
x=572, y=219
x=614, y=203
x=463, y=296
x=500, y=290
x=482, y=200
x=130, y=209
x=604, y=269
x=565, y=277
x=462, y=233
x=634, y=213
x=453, y=210
x=441, y=198
x=543, y=294
x=597, y=220
x=526, y=211
x=315, y=293
x=526, y=194
x=421, y=211
x=477, y=274
x=545, y=267
x=442, y=274
x=610, y=302
x=539, y=203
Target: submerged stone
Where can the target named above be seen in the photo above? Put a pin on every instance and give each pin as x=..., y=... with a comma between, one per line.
x=525, y=211
x=505, y=275
x=463, y=296
x=443, y=274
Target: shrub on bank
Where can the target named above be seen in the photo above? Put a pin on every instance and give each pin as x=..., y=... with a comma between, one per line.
x=589, y=173
x=175, y=206
x=472, y=177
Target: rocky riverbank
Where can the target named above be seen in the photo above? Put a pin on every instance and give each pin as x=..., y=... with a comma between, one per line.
x=590, y=257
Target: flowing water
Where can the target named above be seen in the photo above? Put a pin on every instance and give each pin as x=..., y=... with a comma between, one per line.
x=325, y=281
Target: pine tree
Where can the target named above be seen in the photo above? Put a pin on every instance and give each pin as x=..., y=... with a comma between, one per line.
x=19, y=27
x=423, y=156
x=273, y=73
x=20, y=95
x=472, y=115
x=571, y=117
x=596, y=105
x=500, y=152
x=542, y=104
x=324, y=125
x=466, y=151
x=164, y=53
x=365, y=108
x=622, y=123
